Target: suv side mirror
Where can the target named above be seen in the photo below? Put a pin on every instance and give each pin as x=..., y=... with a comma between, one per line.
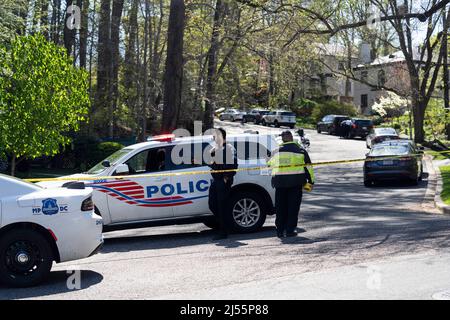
x=122, y=169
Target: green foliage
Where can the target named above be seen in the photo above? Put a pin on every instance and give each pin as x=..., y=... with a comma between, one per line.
x=445, y=195
x=43, y=97
x=10, y=18
x=324, y=108
x=304, y=107
x=436, y=119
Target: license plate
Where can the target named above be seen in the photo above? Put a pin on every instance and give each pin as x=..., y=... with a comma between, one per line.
x=364, y=128
x=388, y=162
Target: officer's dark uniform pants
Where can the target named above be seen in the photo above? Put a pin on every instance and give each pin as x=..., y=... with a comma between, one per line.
x=219, y=193
x=287, y=203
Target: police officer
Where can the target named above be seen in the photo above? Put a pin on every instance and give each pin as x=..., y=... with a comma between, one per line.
x=223, y=157
x=289, y=175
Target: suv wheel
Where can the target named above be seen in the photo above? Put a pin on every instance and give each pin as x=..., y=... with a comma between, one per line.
x=318, y=130
x=264, y=123
x=248, y=211
x=276, y=124
x=25, y=258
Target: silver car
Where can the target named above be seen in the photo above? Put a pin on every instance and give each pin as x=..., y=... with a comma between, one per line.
x=379, y=135
x=232, y=115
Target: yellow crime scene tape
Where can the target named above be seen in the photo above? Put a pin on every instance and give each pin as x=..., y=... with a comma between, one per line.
x=172, y=174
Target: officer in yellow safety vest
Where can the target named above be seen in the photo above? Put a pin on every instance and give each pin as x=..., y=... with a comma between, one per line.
x=290, y=174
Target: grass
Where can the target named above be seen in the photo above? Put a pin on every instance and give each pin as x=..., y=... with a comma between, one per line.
x=445, y=195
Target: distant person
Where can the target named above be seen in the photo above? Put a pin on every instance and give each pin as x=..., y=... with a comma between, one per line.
x=346, y=127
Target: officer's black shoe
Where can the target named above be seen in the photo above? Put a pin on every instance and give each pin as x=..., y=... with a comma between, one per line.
x=220, y=236
x=280, y=234
x=291, y=234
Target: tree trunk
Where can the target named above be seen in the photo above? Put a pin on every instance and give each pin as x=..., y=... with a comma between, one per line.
x=208, y=119
x=84, y=5
x=114, y=78
x=174, y=66
x=44, y=19
x=104, y=56
x=13, y=165
x=69, y=33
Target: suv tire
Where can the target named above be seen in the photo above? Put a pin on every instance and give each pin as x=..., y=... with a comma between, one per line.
x=247, y=212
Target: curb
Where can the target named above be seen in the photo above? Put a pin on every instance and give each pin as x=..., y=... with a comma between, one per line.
x=444, y=208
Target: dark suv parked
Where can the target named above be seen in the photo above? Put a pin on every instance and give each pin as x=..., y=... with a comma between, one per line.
x=331, y=124
x=361, y=128
x=254, y=116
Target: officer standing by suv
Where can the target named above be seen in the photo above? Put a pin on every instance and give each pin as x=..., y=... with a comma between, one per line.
x=223, y=157
x=290, y=173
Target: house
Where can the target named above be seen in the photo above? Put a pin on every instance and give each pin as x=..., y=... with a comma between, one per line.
x=325, y=75
x=384, y=72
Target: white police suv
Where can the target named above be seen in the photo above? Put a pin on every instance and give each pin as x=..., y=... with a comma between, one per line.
x=39, y=226
x=159, y=189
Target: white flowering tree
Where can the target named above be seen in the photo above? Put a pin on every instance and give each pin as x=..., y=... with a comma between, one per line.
x=391, y=106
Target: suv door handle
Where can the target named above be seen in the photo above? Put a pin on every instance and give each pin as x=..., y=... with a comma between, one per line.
x=161, y=179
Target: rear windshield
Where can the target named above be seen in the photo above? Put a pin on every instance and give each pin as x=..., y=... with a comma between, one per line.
x=291, y=114
x=386, y=131
x=390, y=150
x=363, y=122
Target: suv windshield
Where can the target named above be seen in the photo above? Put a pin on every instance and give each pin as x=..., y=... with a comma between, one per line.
x=112, y=159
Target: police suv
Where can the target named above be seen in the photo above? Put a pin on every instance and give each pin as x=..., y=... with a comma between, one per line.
x=158, y=189
x=39, y=226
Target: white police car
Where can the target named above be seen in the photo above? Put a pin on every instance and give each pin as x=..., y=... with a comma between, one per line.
x=180, y=193
x=39, y=226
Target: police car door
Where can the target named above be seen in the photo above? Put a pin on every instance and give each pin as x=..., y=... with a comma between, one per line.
x=192, y=188
x=143, y=198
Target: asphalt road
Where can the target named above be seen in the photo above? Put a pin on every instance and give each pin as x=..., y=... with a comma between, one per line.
x=385, y=242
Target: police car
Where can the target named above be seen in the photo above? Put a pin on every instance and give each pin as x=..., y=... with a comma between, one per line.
x=158, y=189
x=39, y=226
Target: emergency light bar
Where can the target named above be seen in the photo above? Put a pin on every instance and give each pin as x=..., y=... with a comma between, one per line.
x=162, y=138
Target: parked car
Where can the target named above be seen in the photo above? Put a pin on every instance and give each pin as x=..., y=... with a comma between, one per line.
x=254, y=116
x=331, y=124
x=180, y=197
x=231, y=115
x=39, y=226
x=360, y=128
x=280, y=118
x=378, y=135
x=405, y=162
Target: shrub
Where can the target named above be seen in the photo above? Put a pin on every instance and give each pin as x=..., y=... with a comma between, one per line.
x=324, y=108
x=303, y=107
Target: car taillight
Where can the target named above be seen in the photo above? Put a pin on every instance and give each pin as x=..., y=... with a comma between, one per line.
x=87, y=205
x=354, y=126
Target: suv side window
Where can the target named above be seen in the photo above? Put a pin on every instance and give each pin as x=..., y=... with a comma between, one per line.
x=194, y=163
x=249, y=150
x=147, y=161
